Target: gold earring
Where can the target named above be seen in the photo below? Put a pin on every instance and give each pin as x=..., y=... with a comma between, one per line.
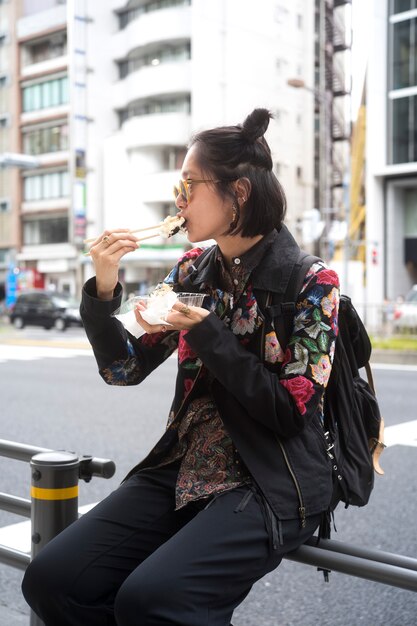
x=235, y=216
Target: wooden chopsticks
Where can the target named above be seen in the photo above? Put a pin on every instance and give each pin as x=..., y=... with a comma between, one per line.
x=136, y=230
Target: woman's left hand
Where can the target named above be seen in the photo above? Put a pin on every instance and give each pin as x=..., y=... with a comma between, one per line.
x=180, y=317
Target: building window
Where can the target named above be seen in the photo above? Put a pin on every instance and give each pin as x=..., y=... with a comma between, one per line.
x=299, y=172
x=43, y=140
x=46, y=94
x=404, y=66
x=173, y=158
x=125, y=17
x=166, y=54
x=404, y=130
x=4, y=121
x=46, y=186
x=4, y=206
x=3, y=81
x=399, y=6
x=168, y=209
x=43, y=50
x=44, y=231
x=154, y=107
x=299, y=21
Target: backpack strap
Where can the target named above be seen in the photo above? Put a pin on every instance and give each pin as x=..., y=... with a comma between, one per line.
x=198, y=270
x=283, y=308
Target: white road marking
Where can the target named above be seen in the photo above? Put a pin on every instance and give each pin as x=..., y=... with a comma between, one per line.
x=404, y=434
x=34, y=353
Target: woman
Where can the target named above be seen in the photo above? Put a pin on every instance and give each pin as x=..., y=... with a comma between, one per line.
x=241, y=475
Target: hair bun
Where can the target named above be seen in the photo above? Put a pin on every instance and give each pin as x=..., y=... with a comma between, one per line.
x=256, y=124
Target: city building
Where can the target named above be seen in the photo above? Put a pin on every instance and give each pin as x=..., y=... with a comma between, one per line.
x=9, y=98
x=391, y=153
x=106, y=97
x=182, y=66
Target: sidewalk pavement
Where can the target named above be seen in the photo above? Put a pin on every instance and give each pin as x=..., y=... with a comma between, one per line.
x=395, y=357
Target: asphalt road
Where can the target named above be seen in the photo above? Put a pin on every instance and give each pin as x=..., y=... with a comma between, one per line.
x=60, y=402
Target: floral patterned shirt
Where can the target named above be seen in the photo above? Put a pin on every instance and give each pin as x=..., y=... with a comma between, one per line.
x=210, y=462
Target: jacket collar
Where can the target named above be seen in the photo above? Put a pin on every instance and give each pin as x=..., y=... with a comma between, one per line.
x=271, y=274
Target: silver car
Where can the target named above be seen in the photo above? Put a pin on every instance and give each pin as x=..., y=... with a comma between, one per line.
x=405, y=313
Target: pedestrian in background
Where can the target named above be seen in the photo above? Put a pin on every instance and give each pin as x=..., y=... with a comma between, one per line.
x=241, y=475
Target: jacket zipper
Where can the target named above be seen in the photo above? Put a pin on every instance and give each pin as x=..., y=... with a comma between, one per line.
x=301, y=508
x=267, y=304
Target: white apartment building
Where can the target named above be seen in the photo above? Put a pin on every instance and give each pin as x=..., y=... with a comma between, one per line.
x=110, y=94
x=391, y=156
x=178, y=66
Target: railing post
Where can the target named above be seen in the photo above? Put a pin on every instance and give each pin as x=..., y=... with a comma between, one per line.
x=54, y=493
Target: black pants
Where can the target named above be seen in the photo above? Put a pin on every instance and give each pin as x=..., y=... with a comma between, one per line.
x=135, y=561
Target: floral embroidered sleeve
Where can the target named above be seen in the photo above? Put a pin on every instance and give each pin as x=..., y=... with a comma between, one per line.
x=121, y=358
x=309, y=355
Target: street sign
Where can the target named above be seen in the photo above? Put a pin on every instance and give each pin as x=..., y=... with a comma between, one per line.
x=11, y=285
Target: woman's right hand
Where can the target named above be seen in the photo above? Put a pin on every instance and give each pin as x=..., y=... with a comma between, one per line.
x=106, y=252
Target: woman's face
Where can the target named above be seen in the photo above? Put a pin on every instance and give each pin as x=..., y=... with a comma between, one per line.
x=207, y=215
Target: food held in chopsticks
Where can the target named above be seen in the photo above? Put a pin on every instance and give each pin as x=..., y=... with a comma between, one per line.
x=169, y=227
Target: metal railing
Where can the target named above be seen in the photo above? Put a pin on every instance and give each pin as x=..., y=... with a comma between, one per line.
x=54, y=495
x=381, y=567
x=54, y=505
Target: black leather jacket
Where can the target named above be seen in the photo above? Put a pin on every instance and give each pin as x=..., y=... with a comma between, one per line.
x=284, y=452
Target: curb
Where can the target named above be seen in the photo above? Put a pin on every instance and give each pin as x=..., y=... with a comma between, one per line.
x=402, y=357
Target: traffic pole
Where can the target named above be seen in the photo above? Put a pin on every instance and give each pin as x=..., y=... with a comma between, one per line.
x=54, y=494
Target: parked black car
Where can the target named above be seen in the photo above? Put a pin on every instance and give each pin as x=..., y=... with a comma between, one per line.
x=45, y=308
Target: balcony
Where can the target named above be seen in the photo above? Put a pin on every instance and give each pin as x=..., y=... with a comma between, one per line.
x=162, y=129
x=36, y=23
x=41, y=115
x=42, y=206
x=47, y=251
x=45, y=67
x=49, y=159
x=164, y=25
x=165, y=79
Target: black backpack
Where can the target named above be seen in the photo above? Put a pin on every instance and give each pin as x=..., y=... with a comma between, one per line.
x=352, y=421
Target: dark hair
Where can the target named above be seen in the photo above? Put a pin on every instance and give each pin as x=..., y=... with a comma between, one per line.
x=227, y=153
